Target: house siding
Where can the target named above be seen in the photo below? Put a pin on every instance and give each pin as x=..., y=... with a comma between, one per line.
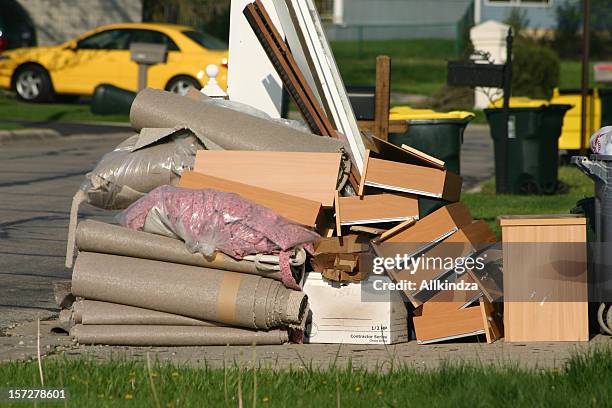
x=57, y=21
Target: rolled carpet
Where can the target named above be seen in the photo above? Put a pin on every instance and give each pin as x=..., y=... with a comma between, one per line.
x=94, y=236
x=143, y=335
x=92, y=312
x=236, y=299
x=227, y=128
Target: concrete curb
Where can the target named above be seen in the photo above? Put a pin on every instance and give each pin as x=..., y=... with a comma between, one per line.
x=27, y=134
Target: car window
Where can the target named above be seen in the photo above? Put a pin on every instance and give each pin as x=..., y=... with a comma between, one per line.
x=106, y=40
x=206, y=40
x=153, y=37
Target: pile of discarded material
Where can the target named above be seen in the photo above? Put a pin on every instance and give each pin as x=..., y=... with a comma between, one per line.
x=241, y=229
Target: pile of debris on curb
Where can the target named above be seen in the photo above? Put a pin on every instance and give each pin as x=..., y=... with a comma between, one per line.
x=242, y=229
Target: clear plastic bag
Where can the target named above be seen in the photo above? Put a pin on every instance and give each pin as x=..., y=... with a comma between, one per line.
x=135, y=167
x=249, y=110
x=601, y=141
x=210, y=220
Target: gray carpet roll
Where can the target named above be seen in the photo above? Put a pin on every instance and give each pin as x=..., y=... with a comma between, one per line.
x=94, y=236
x=236, y=299
x=174, y=335
x=227, y=128
x=91, y=312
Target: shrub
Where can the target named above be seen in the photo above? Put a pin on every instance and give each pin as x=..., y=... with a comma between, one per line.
x=535, y=70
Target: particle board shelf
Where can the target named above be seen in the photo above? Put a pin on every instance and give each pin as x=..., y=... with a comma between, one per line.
x=454, y=324
x=409, y=178
x=375, y=209
x=312, y=176
x=296, y=209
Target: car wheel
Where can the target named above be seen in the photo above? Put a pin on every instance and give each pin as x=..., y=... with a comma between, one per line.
x=180, y=84
x=33, y=84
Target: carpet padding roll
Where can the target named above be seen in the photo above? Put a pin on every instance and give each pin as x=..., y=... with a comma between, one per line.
x=227, y=128
x=94, y=236
x=232, y=298
x=174, y=335
x=95, y=312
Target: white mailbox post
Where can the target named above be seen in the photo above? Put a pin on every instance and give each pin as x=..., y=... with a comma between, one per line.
x=489, y=37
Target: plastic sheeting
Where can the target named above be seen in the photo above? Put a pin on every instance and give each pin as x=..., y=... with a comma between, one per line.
x=232, y=298
x=175, y=335
x=138, y=165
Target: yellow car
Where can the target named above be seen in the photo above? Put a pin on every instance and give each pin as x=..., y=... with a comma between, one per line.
x=102, y=56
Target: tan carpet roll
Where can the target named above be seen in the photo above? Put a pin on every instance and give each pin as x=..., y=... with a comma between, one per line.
x=96, y=312
x=236, y=299
x=95, y=236
x=174, y=335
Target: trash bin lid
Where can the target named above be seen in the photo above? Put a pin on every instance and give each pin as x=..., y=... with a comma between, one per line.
x=520, y=102
x=408, y=113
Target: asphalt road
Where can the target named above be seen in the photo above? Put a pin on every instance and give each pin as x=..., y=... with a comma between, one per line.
x=37, y=182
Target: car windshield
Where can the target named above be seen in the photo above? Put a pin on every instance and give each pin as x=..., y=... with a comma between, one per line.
x=206, y=40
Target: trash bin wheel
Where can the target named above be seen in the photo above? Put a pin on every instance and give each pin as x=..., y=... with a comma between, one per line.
x=604, y=317
x=529, y=187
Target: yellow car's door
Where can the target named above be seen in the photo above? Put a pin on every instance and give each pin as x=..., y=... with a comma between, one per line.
x=103, y=57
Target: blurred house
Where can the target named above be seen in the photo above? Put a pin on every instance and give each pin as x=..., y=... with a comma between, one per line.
x=57, y=21
x=397, y=19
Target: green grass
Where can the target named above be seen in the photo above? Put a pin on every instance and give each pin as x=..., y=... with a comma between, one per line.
x=571, y=74
x=583, y=381
x=488, y=206
x=11, y=109
x=418, y=66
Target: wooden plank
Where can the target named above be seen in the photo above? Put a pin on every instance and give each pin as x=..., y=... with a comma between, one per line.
x=408, y=178
x=296, y=209
x=368, y=230
x=493, y=329
x=432, y=160
x=552, y=219
x=374, y=209
x=361, y=188
x=382, y=97
x=337, y=207
x=312, y=176
x=395, y=126
x=405, y=154
x=545, y=280
x=291, y=75
x=397, y=229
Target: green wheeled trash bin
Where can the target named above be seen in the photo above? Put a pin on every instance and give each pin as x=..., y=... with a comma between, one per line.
x=605, y=95
x=532, y=146
x=111, y=100
x=435, y=133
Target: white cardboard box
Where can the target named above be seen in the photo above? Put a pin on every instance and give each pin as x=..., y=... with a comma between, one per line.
x=338, y=314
